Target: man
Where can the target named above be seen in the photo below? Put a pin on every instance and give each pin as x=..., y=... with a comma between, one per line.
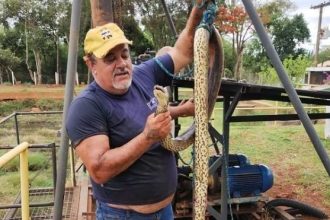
x=115, y=132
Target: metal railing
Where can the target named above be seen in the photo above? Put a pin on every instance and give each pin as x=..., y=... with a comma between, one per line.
x=15, y=114
x=21, y=150
x=18, y=126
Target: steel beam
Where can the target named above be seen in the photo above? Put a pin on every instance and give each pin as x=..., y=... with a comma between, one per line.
x=69, y=86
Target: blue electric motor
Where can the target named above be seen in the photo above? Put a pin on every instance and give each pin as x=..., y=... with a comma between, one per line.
x=249, y=180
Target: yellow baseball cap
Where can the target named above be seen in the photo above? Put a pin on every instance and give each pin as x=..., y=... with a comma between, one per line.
x=101, y=39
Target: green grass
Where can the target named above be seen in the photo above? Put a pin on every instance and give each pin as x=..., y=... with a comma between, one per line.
x=37, y=161
x=8, y=107
x=35, y=129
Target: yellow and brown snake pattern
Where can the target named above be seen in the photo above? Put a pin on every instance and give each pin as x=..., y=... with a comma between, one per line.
x=208, y=69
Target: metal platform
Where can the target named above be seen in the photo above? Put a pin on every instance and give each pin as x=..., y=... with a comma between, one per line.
x=41, y=205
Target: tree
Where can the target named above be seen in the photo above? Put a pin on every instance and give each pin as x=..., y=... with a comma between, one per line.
x=7, y=61
x=39, y=23
x=234, y=21
x=140, y=41
x=287, y=33
x=155, y=21
x=295, y=68
x=324, y=55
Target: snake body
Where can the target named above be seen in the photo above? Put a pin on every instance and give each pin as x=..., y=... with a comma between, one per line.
x=208, y=67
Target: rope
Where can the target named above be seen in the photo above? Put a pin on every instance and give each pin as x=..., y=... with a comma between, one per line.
x=168, y=72
x=208, y=16
x=202, y=4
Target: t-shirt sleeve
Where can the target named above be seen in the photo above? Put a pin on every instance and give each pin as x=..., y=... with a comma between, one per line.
x=157, y=71
x=85, y=119
x=164, y=67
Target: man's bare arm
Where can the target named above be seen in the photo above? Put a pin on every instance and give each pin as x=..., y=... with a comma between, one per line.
x=103, y=163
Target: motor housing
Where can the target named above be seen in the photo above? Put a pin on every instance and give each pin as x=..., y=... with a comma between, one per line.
x=249, y=180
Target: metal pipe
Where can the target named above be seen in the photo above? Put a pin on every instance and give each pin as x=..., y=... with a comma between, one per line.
x=54, y=165
x=31, y=146
x=224, y=167
x=17, y=130
x=7, y=118
x=169, y=18
x=69, y=86
x=73, y=176
x=39, y=113
x=318, y=36
x=272, y=54
x=12, y=153
x=30, y=205
x=22, y=150
x=24, y=171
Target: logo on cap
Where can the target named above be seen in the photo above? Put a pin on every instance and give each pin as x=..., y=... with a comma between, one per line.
x=152, y=104
x=106, y=34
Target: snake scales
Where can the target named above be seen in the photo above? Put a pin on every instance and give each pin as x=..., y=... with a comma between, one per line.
x=208, y=67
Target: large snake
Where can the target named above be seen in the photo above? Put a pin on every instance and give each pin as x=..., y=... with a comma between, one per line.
x=208, y=69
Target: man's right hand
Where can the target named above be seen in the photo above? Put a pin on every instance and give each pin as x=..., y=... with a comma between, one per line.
x=157, y=127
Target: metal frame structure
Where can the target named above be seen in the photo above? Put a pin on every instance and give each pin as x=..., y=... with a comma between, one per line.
x=233, y=92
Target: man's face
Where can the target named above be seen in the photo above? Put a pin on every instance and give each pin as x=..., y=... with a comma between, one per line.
x=114, y=71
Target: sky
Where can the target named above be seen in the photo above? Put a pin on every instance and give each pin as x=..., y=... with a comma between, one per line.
x=311, y=17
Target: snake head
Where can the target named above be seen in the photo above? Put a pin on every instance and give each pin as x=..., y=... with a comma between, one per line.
x=162, y=98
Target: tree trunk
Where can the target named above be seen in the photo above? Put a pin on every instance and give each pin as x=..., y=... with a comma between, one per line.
x=38, y=61
x=105, y=11
x=58, y=67
x=13, y=78
x=27, y=54
x=102, y=12
x=238, y=63
x=117, y=8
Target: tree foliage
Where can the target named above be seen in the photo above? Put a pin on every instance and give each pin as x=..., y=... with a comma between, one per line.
x=36, y=33
x=295, y=68
x=287, y=33
x=7, y=61
x=155, y=21
x=140, y=41
x=38, y=25
x=234, y=21
x=324, y=55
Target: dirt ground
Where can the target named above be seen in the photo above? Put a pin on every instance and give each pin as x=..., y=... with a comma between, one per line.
x=19, y=92
x=279, y=190
x=292, y=191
